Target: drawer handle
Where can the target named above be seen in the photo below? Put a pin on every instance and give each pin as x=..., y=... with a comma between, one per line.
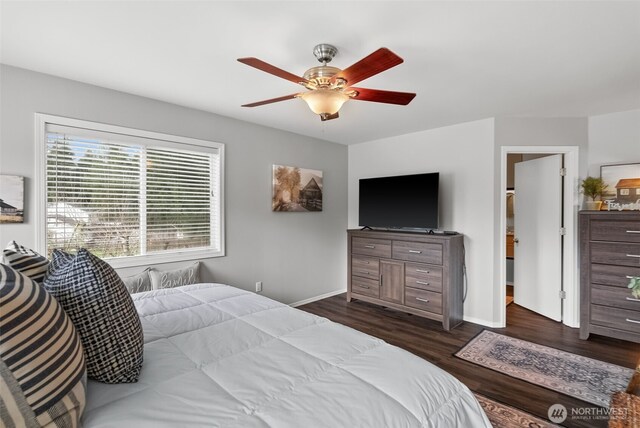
x=422, y=282
x=367, y=263
x=633, y=321
x=365, y=272
x=415, y=252
x=633, y=300
x=422, y=270
x=363, y=286
x=633, y=231
x=637, y=256
x=427, y=300
x=369, y=246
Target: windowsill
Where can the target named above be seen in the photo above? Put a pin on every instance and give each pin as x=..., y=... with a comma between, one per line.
x=155, y=259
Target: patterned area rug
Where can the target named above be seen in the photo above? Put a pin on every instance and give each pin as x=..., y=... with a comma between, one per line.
x=503, y=416
x=586, y=379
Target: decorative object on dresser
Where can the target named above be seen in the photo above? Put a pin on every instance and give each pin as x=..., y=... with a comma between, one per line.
x=634, y=286
x=609, y=258
x=593, y=187
x=622, y=183
x=418, y=273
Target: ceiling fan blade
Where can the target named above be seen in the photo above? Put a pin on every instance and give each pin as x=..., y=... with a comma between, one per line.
x=378, y=96
x=325, y=117
x=272, y=100
x=379, y=61
x=261, y=65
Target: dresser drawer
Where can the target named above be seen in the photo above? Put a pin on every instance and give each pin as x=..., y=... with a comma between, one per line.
x=616, y=297
x=618, y=231
x=366, y=286
x=418, y=252
x=371, y=247
x=367, y=267
x=422, y=299
x=615, y=253
x=621, y=319
x=618, y=276
x=425, y=277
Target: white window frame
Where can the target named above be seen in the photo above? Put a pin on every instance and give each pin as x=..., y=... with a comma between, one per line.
x=42, y=120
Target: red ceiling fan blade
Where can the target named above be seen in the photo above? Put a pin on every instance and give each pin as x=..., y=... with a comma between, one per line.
x=261, y=65
x=379, y=61
x=272, y=100
x=378, y=96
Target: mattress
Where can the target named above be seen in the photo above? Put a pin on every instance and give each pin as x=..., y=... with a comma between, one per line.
x=216, y=355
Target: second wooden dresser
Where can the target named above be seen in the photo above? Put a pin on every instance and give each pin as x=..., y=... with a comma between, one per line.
x=609, y=258
x=412, y=272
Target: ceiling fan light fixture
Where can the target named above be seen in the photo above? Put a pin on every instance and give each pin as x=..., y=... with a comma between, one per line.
x=330, y=87
x=324, y=101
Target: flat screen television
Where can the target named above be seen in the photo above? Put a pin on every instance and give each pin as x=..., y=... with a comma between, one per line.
x=405, y=201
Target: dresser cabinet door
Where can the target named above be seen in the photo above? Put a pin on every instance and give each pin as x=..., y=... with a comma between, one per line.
x=392, y=281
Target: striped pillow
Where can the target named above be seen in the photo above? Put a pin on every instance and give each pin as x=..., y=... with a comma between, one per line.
x=96, y=300
x=26, y=261
x=43, y=375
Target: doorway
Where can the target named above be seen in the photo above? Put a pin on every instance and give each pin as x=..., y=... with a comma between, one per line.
x=567, y=308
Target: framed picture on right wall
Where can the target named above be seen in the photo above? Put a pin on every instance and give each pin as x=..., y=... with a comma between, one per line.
x=623, y=186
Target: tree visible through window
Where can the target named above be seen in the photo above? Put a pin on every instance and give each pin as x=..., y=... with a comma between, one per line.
x=120, y=199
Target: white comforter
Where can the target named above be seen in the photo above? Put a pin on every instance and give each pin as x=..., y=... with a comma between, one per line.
x=220, y=356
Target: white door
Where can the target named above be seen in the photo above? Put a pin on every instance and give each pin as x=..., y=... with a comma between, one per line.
x=538, y=242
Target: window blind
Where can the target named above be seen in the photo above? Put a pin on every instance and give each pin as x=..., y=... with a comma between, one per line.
x=121, y=196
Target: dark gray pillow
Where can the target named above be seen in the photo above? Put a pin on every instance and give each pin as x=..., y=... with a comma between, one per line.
x=96, y=300
x=176, y=277
x=137, y=283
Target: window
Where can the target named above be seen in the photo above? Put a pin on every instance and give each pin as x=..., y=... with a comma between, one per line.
x=132, y=197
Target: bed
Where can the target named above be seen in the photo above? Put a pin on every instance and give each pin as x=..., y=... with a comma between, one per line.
x=216, y=355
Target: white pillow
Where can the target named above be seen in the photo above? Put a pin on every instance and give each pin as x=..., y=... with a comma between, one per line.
x=175, y=278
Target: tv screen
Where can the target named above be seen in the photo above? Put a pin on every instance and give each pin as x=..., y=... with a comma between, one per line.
x=406, y=201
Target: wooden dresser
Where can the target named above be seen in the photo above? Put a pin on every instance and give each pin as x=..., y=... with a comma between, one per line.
x=609, y=257
x=412, y=272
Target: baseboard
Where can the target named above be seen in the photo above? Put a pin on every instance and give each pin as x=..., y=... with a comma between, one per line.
x=316, y=298
x=483, y=322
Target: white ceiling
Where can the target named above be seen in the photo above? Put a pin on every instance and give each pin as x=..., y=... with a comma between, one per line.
x=465, y=60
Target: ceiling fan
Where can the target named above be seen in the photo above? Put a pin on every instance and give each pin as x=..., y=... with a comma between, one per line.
x=330, y=87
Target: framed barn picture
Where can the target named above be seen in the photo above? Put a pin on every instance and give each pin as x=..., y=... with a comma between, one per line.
x=296, y=189
x=11, y=199
x=623, y=186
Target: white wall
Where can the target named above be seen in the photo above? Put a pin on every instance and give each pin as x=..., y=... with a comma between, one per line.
x=546, y=132
x=468, y=159
x=297, y=256
x=613, y=138
x=463, y=155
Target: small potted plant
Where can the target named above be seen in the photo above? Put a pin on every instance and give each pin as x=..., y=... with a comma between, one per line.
x=634, y=285
x=593, y=187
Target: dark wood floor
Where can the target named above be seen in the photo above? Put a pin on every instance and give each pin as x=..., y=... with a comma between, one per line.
x=428, y=340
